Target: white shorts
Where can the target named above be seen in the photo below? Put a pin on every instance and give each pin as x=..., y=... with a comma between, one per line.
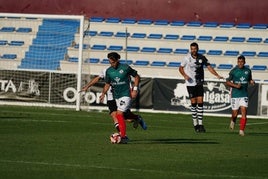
x=237, y=102
x=123, y=103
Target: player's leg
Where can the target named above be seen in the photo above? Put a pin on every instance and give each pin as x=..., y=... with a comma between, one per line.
x=193, y=99
x=235, y=111
x=243, y=108
x=199, y=109
x=122, y=105
x=136, y=119
x=113, y=108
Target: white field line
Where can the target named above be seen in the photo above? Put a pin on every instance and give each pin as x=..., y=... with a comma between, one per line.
x=31, y=120
x=120, y=169
x=256, y=123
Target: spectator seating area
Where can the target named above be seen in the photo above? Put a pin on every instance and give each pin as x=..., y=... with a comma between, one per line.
x=158, y=45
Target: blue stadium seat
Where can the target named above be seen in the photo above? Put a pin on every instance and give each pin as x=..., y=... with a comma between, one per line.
x=145, y=22
x=263, y=54
x=202, y=51
x=259, y=67
x=158, y=63
x=266, y=40
x=254, y=40
x=227, y=25
x=177, y=23
x=98, y=47
x=24, y=29
x=92, y=60
x=171, y=37
x=194, y=24
x=231, y=53
x=91, y=33
x=138, y=35
x=237, y=39
x=73, y=59
x=243, y=26
x=204, y=38
x=188, y=37
x=141, y=63
x=122, y=34
x=181, y=51
x=132, y=49
x=7, y=29
x=9, y=56
x=129, y=62
x=225, y=66
x=96, y=19
x=161, y=22
x=112, y=20
x=85, y=46
x=214, y=52
x=174, y=64
x=128, y=21
x=3, y=42
x=106, y=33
x=105, y=61
x=115, y=48
x=259, y=26
x=16, y=43
x=211, y=24
x=221, y=38
x=164, y=50
x=249, y=53
x=148, y=49
x=155, y=36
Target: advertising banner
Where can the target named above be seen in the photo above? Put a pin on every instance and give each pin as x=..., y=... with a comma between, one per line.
x=172, y=95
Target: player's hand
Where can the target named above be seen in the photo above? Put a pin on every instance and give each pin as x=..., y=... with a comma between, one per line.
x=252, y=82
x=134, y=94
x=219, y=77
x=238, y=86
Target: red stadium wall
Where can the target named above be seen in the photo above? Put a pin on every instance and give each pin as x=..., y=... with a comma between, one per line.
x=251, y=11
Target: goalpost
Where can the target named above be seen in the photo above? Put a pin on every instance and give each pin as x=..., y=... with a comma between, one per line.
x=42, y=59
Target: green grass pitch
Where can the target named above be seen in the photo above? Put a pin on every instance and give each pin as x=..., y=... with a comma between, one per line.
x=57, y=143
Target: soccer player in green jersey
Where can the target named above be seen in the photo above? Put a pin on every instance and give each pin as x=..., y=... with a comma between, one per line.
x=238, y=80
x=118, y=77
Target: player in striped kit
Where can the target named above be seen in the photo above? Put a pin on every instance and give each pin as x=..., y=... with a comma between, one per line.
x=192, y=70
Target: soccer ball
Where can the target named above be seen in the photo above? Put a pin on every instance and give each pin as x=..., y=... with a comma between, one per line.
x=115, y=138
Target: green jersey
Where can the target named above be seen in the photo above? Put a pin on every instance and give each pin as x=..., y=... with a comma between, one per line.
x=119, y=79
x=242, y=76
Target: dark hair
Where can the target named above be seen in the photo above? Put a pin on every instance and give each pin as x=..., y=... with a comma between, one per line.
x=194, y=44
x=241, y=57
x=113, y=56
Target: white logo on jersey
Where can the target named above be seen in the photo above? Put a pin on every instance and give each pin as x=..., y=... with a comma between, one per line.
x=200, y=60
x=242, y=79
x=246, y=72
x=117, y=79
x=121, y=71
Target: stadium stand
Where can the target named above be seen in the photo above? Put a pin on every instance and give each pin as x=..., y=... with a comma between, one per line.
x=147, y=39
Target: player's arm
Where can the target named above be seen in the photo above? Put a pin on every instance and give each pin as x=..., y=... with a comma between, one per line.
x=104, y=91
x=229, y=81
x=251, y=81
x=185, y=76
x=233, y=85
x=134, y=92
x=91, y=83
x=213, y=71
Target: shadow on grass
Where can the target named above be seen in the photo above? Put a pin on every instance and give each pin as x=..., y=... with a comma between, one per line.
x=174, y=141
x=257, y=133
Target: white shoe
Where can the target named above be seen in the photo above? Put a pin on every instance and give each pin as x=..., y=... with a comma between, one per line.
x=232, y=125
x=241, y=133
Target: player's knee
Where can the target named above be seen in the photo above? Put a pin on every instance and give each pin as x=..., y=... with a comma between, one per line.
x=200, y=104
